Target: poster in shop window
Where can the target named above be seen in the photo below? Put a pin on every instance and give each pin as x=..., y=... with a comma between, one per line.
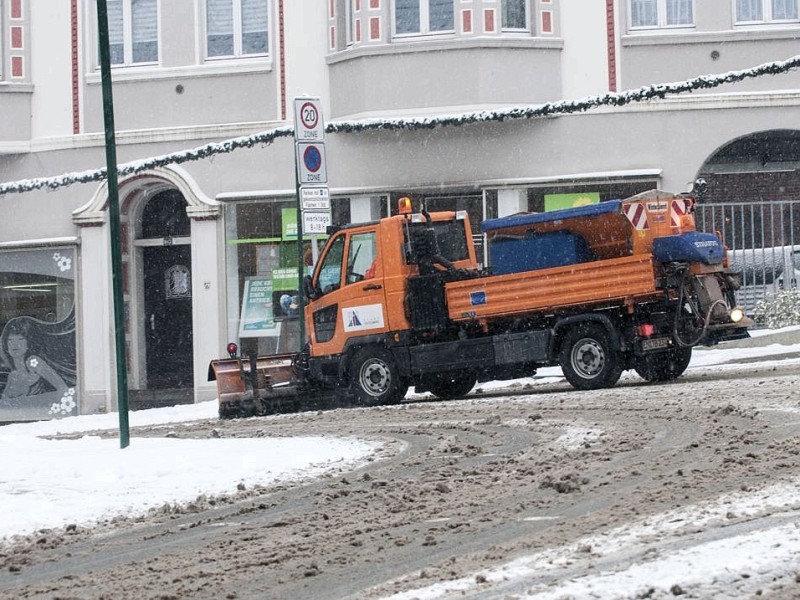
x=38, y=378
x=258, y=317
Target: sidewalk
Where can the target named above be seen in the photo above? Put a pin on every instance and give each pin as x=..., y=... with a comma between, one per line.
x=764, y=337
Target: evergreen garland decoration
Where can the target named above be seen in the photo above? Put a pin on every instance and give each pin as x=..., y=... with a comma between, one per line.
x=139, y=166
x=649, y=92
x=642, y=94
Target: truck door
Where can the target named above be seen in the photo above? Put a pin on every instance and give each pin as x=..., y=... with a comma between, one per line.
x=352, y=300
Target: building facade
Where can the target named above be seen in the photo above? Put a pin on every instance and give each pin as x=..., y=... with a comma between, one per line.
x=198, y=236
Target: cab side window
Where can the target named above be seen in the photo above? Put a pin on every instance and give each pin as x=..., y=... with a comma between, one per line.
x=330, y=271
x=361, y=257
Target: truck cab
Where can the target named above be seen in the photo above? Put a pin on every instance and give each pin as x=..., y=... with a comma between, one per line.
x=358, y=289
x=358, y=295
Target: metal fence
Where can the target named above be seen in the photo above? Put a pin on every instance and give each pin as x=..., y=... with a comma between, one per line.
x=763, y=241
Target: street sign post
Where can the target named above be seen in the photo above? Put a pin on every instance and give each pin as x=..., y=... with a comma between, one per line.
x=313, y=198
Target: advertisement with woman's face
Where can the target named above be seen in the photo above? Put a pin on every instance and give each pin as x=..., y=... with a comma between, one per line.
x=39, y=363
x=37, y=334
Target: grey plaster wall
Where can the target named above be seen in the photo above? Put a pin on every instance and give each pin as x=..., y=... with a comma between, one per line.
x=155, y=103
x=452, y=75
x=653, y=59
x=15, y=124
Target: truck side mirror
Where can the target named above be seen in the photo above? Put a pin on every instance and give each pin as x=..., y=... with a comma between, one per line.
x=309, y=290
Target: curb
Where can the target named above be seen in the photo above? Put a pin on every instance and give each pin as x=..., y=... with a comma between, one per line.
x=786, y=338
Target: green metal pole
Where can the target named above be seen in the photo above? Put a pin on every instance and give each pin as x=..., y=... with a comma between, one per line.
x=113, y=212
x=301, y=301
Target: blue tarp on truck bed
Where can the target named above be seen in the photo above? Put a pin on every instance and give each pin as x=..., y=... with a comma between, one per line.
x=538, y=251
x=591, y=210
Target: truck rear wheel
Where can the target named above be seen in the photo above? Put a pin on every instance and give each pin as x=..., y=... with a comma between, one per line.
x=374, y=378
x=663, y=366
x=588, y=357
x=450, y=385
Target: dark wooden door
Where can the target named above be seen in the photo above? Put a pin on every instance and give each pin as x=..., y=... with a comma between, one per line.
x=168, y=316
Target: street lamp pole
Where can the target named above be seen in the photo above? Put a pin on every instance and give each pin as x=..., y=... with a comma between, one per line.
x=113, y=212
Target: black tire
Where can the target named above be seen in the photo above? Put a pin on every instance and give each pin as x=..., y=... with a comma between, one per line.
x=588, y=357
x=663, y=366
x=451, y=385
x=374, y=378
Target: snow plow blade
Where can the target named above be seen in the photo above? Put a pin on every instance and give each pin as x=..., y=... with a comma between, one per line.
x=254, y=385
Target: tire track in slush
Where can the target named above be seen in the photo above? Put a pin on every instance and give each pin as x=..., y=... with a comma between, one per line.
x=463, y=485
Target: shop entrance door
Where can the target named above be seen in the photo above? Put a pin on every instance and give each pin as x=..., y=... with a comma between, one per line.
x=168, y=317
x=164, y=354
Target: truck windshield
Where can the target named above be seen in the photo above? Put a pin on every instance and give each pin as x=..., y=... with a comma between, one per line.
x=451, y=238
x=330, y=271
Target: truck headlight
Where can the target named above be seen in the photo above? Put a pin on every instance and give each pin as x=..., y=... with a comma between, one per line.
x=737, y=314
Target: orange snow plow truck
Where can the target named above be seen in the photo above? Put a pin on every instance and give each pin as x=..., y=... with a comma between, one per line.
x=624, y=284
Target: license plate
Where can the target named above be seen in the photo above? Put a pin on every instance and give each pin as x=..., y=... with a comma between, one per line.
x=655, y=343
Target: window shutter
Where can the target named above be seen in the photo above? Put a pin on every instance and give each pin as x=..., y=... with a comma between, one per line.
x=254, y=26
x=513, y=16
x=784, y=9
x=441, y=15
x=749, y=10
x=116, y=39
x=219, y=27
x=406, y=16
x=644, y=13
x=679, y=12
x=144, y=14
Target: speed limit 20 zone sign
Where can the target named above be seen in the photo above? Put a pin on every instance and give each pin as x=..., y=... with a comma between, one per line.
x=308, y=124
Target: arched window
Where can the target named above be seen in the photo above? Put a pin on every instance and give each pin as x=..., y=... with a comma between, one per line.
x=165, y=216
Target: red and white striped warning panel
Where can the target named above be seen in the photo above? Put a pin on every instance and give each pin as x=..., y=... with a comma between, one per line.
x=636, y=215
x=678, y=210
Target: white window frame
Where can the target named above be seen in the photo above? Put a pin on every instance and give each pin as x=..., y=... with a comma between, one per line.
x=127, y=36
x=526, y=27
x=424, y=21
x=237, y=33
x=766, y=14
x=3, y=55
x=350, y=22
x=661, y=17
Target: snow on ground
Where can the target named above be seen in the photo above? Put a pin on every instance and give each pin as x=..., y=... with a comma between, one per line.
x=699, y=564
x=52, y=483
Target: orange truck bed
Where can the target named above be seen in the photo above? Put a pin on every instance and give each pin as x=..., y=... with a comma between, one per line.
x=593, y=283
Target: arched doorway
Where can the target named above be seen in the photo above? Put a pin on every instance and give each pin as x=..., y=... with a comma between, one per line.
x=163, y=245
x=751, y=195
x=763, y=166
x=160, y=209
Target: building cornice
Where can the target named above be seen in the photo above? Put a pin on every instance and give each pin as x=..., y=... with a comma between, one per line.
x=428, y=45
x=139, y=136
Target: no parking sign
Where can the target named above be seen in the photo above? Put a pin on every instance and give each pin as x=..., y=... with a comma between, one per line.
x=311, y=163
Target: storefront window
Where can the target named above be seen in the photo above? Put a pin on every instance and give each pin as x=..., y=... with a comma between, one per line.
x=262, y=277
x=37, y=334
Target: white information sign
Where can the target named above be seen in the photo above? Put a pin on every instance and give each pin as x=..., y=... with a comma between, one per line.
x=308, y=123
x=315, y=198
x=316, y=222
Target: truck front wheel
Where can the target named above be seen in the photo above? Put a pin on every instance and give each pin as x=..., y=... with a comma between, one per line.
x=588, y=357
x=374, y=378
x=663, y=366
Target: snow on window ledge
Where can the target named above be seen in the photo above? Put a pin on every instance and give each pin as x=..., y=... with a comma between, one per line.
x=690, y=36
x=213, y=68
x=409, y=45
x=15, y=88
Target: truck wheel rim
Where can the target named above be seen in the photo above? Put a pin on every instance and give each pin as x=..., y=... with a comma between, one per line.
x=375, y=377
x=588, y=358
